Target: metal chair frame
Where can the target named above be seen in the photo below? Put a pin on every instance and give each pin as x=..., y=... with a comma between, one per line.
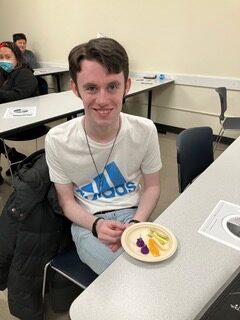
x=227, y=123
x=69, y=265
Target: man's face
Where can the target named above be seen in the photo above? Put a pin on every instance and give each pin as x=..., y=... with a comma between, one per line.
x=101, y=92
x=22, y=44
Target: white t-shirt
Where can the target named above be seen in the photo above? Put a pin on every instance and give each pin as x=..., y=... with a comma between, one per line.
x=136, y=151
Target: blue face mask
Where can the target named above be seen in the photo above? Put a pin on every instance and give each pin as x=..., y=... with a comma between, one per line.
x=6, y=65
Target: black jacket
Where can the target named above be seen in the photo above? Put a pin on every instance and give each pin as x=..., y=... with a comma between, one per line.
x=30, y=233
x=18, y=84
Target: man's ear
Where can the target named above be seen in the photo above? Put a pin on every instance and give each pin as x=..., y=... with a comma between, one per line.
x=127, y=86
x=74, y=88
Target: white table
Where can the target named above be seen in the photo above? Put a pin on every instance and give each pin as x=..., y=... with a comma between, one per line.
x=49, y=107
x=179, y=288
x=54, y=106
x=53, y=71
x=140, y=85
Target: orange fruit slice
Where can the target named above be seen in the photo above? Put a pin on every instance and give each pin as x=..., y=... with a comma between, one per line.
x=153, y=248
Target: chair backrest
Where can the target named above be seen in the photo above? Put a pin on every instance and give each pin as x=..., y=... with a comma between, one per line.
x=222, y=91
x=42, y=86
x=194, y=154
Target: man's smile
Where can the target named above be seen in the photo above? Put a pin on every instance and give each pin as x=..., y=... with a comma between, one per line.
x=103, y=111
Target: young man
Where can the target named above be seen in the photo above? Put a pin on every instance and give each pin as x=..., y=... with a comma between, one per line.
x=21, y=41
x=96, y=161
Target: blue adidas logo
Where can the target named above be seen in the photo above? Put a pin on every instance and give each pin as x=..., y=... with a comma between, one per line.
x=113, y=184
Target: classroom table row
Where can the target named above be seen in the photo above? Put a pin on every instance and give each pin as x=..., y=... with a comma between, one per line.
x=138, y=83
x=183, y=286
x=60, y=105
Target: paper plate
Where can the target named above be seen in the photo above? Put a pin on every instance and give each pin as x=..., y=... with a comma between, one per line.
x=142, y=229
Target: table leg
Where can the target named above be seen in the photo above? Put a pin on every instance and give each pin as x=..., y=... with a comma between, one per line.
x=58, y=82
x=150, y=109
x=149, y=104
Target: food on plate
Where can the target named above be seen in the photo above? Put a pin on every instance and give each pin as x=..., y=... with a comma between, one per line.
x=140, y=243
x=159, y=237
x=154, y=249
x=144, y=249
x=153, y=241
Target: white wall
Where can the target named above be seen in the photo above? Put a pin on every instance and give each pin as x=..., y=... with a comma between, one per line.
x=180, y=37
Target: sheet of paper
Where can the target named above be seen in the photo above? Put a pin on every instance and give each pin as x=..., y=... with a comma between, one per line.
x=40, y=71
x=15, y=112
x=223, y=224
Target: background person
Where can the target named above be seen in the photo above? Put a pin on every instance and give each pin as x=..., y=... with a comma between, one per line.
x=16, y=77
x=16, y=82
x=96, y=161
x=21, y=41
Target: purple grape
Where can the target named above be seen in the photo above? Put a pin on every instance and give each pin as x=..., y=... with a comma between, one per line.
x=140, y=243
x=145, y=249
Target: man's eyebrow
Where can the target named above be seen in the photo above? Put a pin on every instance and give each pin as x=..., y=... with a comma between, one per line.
x=114, y=82
x=89, y=84
x=92, y=84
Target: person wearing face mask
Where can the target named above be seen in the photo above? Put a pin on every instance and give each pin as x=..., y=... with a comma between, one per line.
x=21, y=41
x=16, y=82
x=16, y=76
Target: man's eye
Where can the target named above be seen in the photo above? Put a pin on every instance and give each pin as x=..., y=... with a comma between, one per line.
x=112, y=87
x=91, y=89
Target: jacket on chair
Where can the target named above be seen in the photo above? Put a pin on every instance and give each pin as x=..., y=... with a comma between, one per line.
x=30, y=234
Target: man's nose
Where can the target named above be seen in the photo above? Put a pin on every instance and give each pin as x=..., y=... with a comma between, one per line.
x=102, y=98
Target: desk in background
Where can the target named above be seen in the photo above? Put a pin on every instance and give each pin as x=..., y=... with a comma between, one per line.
x=65, y=104
x=49, y=108
x=53, y=71
x=138, y=85
x=182, y=287
x=143, y=85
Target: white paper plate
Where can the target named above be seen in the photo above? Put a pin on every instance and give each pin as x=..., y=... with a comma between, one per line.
x=137, y=230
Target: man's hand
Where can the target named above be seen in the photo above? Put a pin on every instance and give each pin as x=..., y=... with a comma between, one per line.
x=110, y=232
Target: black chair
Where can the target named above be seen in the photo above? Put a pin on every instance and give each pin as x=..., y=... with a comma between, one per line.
x=227, y=123
x=42, y=86
x=194, y=154
x=69, y=265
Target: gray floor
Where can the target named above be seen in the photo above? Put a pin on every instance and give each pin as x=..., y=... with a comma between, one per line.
x=169, y=193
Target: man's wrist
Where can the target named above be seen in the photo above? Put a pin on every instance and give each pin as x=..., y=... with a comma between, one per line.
x=134, y=221
x=94, y=227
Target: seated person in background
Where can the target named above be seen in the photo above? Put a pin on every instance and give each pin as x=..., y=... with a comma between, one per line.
x=16, y=82
x=96, y=161
x=16, y=77
x=21, y=41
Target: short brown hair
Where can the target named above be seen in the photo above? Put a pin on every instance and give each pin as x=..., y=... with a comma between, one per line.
x=106, y=51
x=19, y=36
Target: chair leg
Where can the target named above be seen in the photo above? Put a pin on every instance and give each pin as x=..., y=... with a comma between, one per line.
x=218, y=139
x=9, y=162
x=44, y=289
x=45, y=279
x=179, y=180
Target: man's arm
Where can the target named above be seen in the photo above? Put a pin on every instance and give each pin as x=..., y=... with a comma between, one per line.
x=71, y=208
x=109, y=231
x=149, y=197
